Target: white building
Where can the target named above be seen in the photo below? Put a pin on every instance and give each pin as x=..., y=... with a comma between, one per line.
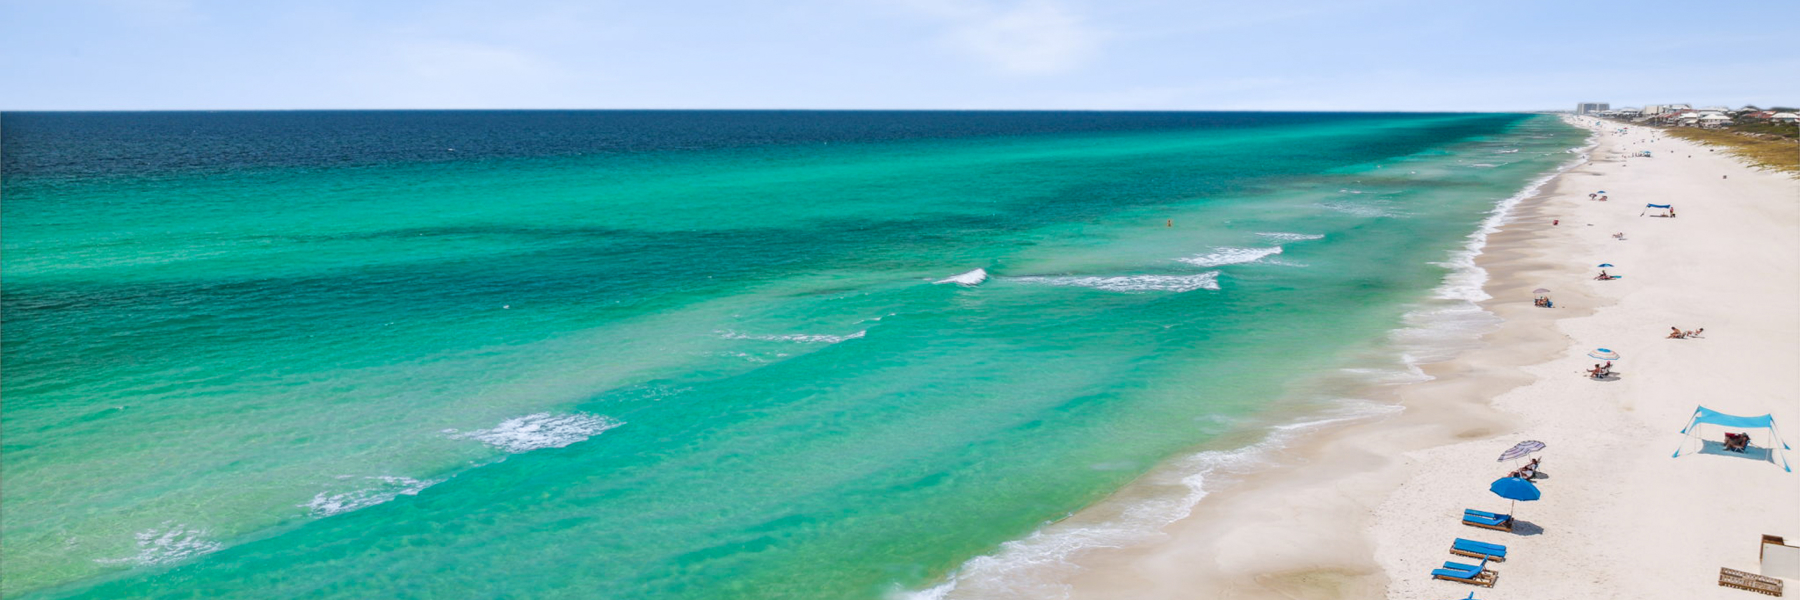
x=1714, y=120
x=1591, y=107
x=1784, y=117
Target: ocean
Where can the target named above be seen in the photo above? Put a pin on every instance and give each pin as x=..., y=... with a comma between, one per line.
x=691, y=354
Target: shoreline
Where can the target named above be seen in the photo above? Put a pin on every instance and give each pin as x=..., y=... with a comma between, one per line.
x=1341, y=513
x=1229, y=484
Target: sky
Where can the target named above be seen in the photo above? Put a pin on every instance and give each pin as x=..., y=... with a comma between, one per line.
x=1339, y=55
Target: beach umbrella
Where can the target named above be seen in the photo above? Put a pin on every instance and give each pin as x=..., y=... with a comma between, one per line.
x=1604, y=354
x=1516, y=490
x=1541, y=291
x=1600, y=192
x=1606, y=264
x=1521, y=450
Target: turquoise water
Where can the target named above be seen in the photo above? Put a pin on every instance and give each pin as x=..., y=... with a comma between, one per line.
x=661, y=355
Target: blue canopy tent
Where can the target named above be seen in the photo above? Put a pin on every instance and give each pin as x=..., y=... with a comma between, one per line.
x=1665, y=208
x=1706, y=416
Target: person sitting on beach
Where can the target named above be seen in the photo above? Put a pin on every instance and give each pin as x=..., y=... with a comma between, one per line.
x=1596, y=372
x=1675, y=333
x=1526, y=472
x=1695, y=333
x=1619, y=236
x=1602, y=276
x=1737, y=442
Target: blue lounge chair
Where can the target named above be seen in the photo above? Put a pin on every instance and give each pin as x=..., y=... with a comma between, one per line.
x=1474, y=549
x=1487, y=520
x=1470, y=574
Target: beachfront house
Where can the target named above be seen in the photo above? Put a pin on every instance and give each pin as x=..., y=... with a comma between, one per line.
x=1714, y=121
x=1786, y=117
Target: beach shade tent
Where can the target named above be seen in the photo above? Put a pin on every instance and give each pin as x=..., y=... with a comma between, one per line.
x=1662, y=210
x=1521, y=450
x=1606, y=265
x=1706, y=416
x=1604, y=354
x=1515, y=489
x=1541, y=291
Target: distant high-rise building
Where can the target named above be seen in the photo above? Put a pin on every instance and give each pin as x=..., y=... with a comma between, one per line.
x=1591, y=107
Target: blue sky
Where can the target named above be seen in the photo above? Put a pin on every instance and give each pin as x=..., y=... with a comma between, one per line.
x=974, y=54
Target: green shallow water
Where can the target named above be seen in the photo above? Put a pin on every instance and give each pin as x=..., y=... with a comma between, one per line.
x=715, y=371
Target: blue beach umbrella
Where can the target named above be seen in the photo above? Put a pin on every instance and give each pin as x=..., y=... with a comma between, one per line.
x=1604, y=354
x=1516, y=490
x=1606, y=264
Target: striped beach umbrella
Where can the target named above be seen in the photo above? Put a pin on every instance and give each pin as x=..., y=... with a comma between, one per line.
x=1521, y=450
x=1604, y=354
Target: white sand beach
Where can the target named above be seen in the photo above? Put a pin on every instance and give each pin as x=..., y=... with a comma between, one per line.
x=1368, y=510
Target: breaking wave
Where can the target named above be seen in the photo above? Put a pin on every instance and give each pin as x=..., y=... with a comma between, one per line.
x=326, y=503
x=1292, y=237
x=540, y=430
x=1230, y=256
x=1134, y=283
x=167, y=543
x=970, y=278
x=804, y=338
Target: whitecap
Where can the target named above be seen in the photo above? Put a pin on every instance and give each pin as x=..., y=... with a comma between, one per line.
x=326, y=504
x=1225, y=255
x=970, y=278
x=167, y=543
x=804, y=338
x=1134, y=283
x=540, y=430
x=1360, y=210
x=1292, y=237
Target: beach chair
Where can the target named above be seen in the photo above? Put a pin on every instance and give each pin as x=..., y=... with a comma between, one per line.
x=1470, y=574
x=1749, y=582
x=1487, y=520
x=1482, y=550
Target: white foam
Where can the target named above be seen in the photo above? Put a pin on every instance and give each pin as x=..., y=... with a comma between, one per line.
x=1292, y=237
x=167, y=543
x=970, y=278
x=1038, y=565
x=803, y=338
x=326, y=504
x=1455, y=322
x=1360, y=210
x=1134, y=283
x=540, y=430
x=1226, y=255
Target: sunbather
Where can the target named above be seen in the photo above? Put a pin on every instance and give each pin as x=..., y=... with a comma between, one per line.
x=1695, y=333
x=1675, y=333
x=1602, y=276
x=1737, y=442
x=1598, y=372
x=1528, y=471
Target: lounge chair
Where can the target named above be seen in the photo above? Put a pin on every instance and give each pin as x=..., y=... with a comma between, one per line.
x=1470, y=574
x=1481, y=550
x=1488, y=520
x=1749, y=582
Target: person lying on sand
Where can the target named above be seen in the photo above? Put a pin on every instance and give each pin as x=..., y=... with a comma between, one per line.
x=1695, y=333
x=1675, y=333
x=1619, y=236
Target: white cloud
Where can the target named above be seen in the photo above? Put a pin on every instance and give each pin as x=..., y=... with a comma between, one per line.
x=1032, y=37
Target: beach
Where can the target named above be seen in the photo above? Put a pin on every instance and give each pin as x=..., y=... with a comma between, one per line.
x=1367, y=510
